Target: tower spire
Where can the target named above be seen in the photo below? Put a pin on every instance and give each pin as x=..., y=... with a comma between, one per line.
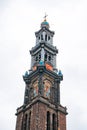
x=42, y=109
x=45, y=17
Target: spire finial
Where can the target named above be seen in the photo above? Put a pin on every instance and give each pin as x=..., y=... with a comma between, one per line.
x=45, y=23
x=45, y=17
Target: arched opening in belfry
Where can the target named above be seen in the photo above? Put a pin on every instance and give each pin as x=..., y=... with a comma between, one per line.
x=41, y=37
x=46, y=37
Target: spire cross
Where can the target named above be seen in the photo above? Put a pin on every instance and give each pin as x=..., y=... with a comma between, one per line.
x=45, y=17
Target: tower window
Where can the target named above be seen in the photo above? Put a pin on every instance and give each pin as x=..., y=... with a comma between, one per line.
x=49, y=58
x=48, y=120
x=45, y=37
x=54, y=121
x=45, y=57
x=41, y=37
x=36, y=58
x=48, y=37
x=39, y=57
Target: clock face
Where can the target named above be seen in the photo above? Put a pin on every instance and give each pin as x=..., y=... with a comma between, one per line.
x=47, y=85
x=35, y=88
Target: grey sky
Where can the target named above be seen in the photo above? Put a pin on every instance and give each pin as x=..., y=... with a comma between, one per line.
x=19, y=19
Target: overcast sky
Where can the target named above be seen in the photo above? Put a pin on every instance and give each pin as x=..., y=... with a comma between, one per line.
x=19, y=19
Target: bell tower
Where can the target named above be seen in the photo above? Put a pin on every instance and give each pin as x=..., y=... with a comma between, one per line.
x=42, y=109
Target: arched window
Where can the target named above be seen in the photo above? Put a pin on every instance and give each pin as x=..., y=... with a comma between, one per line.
x=45, y=37
x=36, y=58
x=54, y=121
x=49, y=58
x=29, y=121
x=48, y=120
x=46, y=57
x=41, y=37
x=48, y=37
x=39, y=57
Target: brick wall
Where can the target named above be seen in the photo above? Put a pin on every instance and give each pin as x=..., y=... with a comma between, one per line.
x=19, y=121
x=38, y=117
x=62, y=121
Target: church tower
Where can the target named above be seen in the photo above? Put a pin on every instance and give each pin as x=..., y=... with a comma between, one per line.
x=42, y=109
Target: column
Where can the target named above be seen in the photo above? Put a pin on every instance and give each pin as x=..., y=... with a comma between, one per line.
x=36, y=40
x=32, y=61
x=29, y=120
x=51, y=121
x=54, y=61
x=42, y=54
x=44, y=33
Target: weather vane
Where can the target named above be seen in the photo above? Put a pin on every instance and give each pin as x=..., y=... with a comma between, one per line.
x=45, y=17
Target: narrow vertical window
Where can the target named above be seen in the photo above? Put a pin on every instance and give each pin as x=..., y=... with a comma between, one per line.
x=29, y=120
x=48, y=120
x=39, y=57
x=45, y=37
x=48, y=37
x=46, y=57
x=25, y=122
x=49, y=58
x=36, y=58
x=54, y=122
x=41, y=37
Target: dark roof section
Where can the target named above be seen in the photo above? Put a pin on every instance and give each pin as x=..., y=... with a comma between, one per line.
x=45, y=45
